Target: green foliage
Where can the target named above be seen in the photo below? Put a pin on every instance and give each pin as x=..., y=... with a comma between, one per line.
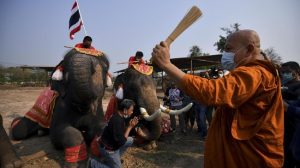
x=196, y=51
x=273, y=55
x=221, y=43
x=19, y=76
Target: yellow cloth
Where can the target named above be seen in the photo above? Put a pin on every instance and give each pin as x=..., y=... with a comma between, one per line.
x=89, y=51
x=247, y=129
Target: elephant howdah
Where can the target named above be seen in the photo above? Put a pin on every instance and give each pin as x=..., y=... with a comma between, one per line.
x=141, y=88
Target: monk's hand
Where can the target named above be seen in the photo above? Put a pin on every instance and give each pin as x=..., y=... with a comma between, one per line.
x=161, y=55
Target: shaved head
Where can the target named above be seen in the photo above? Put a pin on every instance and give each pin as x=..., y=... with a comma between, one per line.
x=245, y=44
x=246, y=37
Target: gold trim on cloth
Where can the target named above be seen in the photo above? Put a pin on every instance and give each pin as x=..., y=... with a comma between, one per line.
x=88, y=51
x=42, y=110
x=142, y=68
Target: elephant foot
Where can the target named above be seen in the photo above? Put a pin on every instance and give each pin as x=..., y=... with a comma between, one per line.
x=150, y=146
x=14, y=162
x=81, y=164
x=153, y=144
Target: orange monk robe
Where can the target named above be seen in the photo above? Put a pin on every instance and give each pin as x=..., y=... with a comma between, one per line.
x=247, y=129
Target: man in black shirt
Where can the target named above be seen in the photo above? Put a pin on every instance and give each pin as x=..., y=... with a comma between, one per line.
x=115, y=139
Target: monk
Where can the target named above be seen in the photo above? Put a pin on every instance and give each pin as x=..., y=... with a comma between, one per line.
x=247, y=129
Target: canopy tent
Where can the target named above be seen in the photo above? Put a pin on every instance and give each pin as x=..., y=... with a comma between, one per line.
x=190, y=63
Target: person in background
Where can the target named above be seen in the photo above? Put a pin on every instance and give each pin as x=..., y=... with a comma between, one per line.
x=201, y=111
x=248, y=126
x=292, y=147
x=86, y=43
x=290, y=77
x=175, y=96
x=137, y=59
x=189, y=116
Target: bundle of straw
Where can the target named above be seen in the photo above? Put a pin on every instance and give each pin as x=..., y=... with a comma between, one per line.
x=193, y=14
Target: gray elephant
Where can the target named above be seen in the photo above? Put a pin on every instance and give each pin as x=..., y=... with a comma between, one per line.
x=141, y=88
x=77, y=113
x=8, y=156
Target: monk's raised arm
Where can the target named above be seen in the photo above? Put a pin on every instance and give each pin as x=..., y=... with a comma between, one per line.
x=231, y=90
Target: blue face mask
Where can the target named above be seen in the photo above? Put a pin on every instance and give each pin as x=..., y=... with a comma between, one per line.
x=286, y=77
x=227, y=60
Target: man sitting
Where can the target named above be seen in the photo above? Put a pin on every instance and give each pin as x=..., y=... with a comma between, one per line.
x=86, y=43
x=137, y=59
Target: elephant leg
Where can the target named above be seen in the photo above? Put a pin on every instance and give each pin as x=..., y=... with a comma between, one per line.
x=71, y=140
x=89, y=127
x=23, y=128
x=150, y=146
x=8, y=157
x=186, y=119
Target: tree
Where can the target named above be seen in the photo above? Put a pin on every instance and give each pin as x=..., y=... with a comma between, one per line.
x=196, y=51
x=221, y=43
x=273, y=55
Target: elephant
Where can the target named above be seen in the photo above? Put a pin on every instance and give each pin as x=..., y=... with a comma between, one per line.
x=8, y=156
x=77, y=113
x=142, y=90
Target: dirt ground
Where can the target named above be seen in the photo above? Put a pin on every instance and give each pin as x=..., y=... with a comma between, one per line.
x=174, y=150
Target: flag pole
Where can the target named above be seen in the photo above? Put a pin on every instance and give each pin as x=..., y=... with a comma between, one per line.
x=81, y=19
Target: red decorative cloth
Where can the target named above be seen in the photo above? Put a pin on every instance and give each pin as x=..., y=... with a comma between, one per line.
x=42, y=110
x=111, y=107
x=143, y=68
x=80, y=45
x=95, y=146
x=76, y=153
x=133, y=60
x=15, y=122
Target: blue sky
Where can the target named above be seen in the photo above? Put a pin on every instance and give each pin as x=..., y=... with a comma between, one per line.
x=35, y=32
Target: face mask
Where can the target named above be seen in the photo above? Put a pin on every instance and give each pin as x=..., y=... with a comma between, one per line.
x=126, y=115
x=227, y=60
x=286, y=77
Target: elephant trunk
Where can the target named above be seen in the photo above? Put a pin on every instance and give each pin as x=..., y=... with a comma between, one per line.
x=150, y=109
x=84, y=78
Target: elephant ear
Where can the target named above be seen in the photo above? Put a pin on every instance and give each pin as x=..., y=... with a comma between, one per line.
x=118, y=81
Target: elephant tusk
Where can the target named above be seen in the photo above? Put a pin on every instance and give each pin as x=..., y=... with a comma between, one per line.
x=108, y=80
x=176, y=112
x=146, y=115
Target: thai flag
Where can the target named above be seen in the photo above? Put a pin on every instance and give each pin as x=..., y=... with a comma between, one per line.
x=75, y=21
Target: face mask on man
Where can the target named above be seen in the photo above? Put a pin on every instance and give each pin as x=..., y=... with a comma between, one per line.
x=227, y=60
x=286, y=77
x=126, y=115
